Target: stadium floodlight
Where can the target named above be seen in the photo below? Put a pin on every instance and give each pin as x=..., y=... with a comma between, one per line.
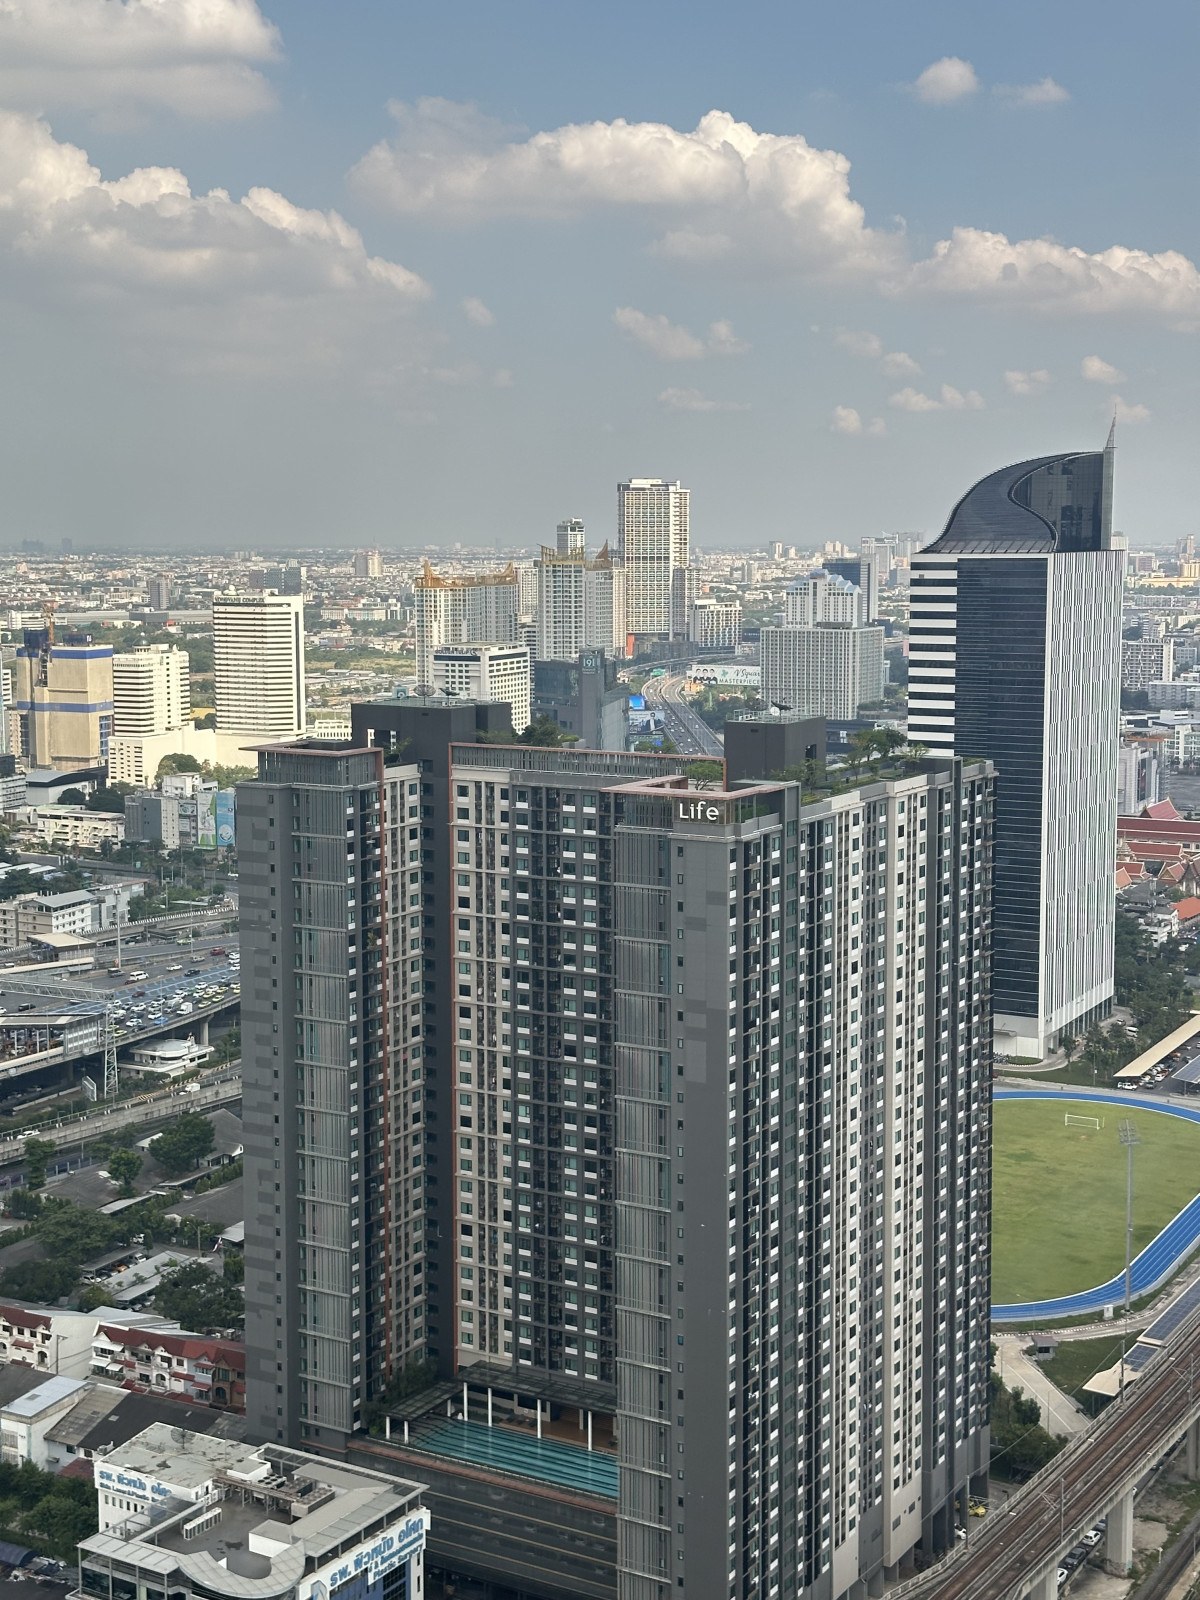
x=1128, y=1135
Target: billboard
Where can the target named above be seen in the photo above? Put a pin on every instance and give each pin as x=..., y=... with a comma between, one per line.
x=226, y=818
x=206, y=819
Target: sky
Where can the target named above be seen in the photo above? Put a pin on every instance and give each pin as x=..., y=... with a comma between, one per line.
x=295, y=274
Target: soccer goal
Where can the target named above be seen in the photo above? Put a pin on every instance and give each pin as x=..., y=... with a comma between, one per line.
x=1070, y=1120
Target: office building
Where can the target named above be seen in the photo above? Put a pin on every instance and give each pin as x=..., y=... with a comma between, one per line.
x=580, y=605
x=572, y=538
x=368, y=564
x=653, y=545
x=159, y=591
x=332, y=950
x=151, y=690
x=1146, y=661
x=1015, y=655
x=63, y=698
x=499, y=672
x=585, y=698
x=715, y=624
x=208, y=1518
x=258, y=665
x=463, y=611
x=829, y=670
x=1140, y=775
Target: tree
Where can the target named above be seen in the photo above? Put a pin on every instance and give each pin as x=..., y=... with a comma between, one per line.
x=124, y=1166
x=37, y=1153
x=24, y=1203
x=545, y=732
x=74, y=797
x=93, y=1295
x=177, y=763
x=230, y=777
x=196, y=1297
x=707, y=771
x=42, y=1282
x=181, y=1146
x=110, y=798
x=72, y=1234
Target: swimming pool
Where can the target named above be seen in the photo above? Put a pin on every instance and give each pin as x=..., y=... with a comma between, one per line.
x=550, y=1460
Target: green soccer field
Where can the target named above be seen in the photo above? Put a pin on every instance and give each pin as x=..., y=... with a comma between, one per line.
x=1058, y=1193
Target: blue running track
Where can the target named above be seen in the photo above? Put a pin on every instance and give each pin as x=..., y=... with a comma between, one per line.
x=1157, y=1261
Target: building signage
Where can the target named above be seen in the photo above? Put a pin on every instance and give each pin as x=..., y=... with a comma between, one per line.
x=699, y=809
x=377, y=1559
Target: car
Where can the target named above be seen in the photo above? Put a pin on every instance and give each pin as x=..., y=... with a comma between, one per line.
x=1092, y=1538
x=1062, y=1575
x=28, y=1006
x=218, y=950
x=192, y=972
x=176, y=966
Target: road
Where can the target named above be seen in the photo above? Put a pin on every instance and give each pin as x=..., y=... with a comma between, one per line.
x=689, y=730
x=1079, y=1486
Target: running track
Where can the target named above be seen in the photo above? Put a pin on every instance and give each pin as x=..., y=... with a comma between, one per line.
x=1156, y=1262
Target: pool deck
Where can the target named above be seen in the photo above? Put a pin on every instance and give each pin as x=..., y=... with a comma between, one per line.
x=510, y=1450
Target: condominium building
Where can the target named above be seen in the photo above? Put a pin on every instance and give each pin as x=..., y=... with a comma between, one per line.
x=653, y=545
x=463, y=611
x=497, y=672
x=151, y=690
x=368, y=564
x=823, y=597
x=572, y=537
x=258, y=665
x=828, y=670
x=329, y=848
x=715, y=624
x=159, y=591
x=1015, y=654
x=580, y=604
x=1147, y=661
x=62, y=698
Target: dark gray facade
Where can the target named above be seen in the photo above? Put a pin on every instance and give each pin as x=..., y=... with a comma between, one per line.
x=584, y=698
x=766, y=746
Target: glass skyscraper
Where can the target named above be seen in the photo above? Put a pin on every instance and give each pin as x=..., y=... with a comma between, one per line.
x=1015, y=655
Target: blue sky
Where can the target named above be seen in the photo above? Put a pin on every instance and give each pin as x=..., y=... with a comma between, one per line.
x=280, y=276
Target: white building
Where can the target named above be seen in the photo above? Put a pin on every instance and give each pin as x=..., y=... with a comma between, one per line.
x=580, y=605
x=258, y=665
x=715, y=624
x=1147, y=661
x=463, y=611
x=25, y=1421
x=368, y=564
x=151, y=690
x=196, y=1516
x=572, y=537
x=822, y=597
x=487, y=672
x=75, y=827
x=825, y=671
x=653, y=545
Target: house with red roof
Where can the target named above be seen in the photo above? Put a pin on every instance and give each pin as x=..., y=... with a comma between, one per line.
x=167, y=1360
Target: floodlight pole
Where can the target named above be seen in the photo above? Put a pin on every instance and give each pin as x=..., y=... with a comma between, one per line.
x=1128, y=1136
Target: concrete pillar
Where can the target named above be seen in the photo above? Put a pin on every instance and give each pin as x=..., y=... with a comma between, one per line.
x=539, y=1419
x=1118, y=1543
x=875, y=1585
x=203, y=1030
x=489, y=1406
x=466, y=1406
x=589, y=1420
x=1191, y=1441
x=1046, y=1588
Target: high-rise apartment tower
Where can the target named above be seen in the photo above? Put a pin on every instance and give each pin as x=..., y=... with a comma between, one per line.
x=151, y=690
x=581, y=605
x=258, y=665
x=1015, y=654
x=463, y=611
x=653, y=545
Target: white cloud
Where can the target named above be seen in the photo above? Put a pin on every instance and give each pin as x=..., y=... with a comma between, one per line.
x=196, y=57
x=476, y=312
x=1045, y=92
x=734, y=193
x=734, y=200
x=671, y=342
x=945, y=81
x=693, y=400
x=1043, y=275
x=1097, y=371
x=950, y=400
x=899, y=364
x=847, y=420
x=1127, y=413
x=860, y=343
x=1028, y=382
x=202, y=280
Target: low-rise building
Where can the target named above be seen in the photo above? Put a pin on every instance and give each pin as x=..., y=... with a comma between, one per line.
x=26, y=1420
x=205, y=1518
x=168, y=1360
x=53, y=1340
x=75, y=827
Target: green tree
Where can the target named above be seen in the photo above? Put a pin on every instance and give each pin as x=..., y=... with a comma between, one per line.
x=197, y=1298
x=546, y=733
x=74, y=797
x=110, y=798
x=93, y=1295
x=177, y=763
x=24, y=1203
x=42, y=1282
x=72, y=1234
x=230, y=777
x=707, y=771
x=37, y=1153
x=124, y=1166
x=181, y=1146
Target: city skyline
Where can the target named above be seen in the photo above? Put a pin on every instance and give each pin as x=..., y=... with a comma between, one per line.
x=818, y=287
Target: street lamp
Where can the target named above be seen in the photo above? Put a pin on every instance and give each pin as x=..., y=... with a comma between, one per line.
x=1128, y=1135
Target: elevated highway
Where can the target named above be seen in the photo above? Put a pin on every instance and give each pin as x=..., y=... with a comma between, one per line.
x=685, y=726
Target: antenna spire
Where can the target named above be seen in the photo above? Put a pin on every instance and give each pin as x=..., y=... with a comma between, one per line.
x=1111, y=443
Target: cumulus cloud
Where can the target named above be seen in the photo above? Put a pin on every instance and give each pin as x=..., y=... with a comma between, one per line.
x=847, y=420
x=949, y=400
x=1097, y=371
x=1045, y=92
x=195, y=57
x=671, y=342
x=693, y=400
x=1128, y=413
x=1028, y=382
x=476, y=312
x=727, y=198
x=204, y=280
x=945, y=81
x=860, y=343
x=899, y=364
x=734, y=193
